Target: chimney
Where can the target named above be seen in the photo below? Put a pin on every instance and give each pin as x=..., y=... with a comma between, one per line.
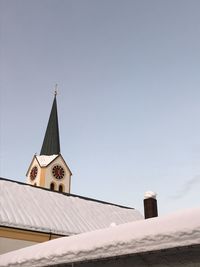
x=150, y=205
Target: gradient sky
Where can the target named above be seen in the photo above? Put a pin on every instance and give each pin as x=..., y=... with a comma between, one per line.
x=128, y=101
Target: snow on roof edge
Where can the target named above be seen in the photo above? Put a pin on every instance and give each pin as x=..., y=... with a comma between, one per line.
x=175, y=230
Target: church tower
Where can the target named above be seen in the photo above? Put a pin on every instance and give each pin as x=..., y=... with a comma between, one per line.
x=49, y=170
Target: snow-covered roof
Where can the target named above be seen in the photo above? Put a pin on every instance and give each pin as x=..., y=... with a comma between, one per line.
x=177, y=230
x=45, y=160
x=33, y=208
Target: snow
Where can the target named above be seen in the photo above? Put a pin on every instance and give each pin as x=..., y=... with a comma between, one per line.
x=45, y=160
x=31, y=208
x=150, y=194
x=176, y=230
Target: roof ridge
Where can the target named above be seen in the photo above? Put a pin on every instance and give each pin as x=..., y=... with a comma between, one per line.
x=67, y=194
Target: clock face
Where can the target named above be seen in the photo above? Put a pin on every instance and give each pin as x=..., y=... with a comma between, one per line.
x=33, y=173
x=58, y=172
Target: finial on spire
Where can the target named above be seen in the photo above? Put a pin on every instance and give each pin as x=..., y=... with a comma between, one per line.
x=56, y=90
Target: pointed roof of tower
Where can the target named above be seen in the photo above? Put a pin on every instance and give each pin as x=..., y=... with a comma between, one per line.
x=51, y=143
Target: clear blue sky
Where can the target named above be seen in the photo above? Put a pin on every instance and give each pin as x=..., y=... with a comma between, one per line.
x=129, y=94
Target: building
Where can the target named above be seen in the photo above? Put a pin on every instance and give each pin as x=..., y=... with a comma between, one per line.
x=49, y=169
x=30, y=215
x=172, y=240
x=43, y=208
x=78, y=231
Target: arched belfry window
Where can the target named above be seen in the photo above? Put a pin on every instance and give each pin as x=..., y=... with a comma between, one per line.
x=60, y=189
x=52, y=186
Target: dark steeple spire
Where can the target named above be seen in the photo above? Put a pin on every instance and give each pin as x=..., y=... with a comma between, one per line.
x=51, y=143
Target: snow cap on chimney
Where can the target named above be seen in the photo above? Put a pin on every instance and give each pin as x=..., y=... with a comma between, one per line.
x=150, y=194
